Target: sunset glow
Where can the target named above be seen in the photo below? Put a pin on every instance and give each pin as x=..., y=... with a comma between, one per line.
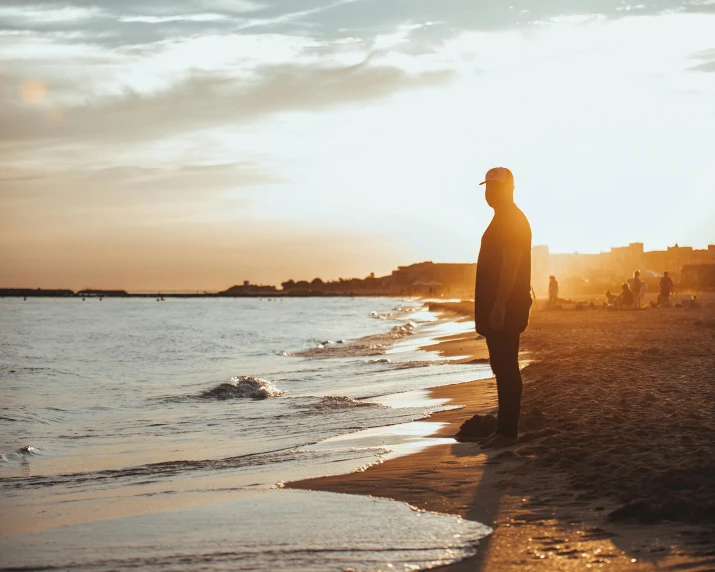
x=193, y=145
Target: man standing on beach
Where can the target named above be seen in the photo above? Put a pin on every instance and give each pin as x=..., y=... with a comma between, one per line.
x=636, y=288
x=553, y=291
x=502, y=298
x=666, y=285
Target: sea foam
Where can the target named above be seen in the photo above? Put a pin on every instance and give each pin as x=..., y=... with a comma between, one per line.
x=19, y=455
x=373, y=345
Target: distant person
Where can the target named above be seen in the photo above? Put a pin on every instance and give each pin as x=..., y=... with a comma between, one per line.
x=502, y=298
x=636, y=288
x=627, y=300
x=553, y=290
x=666, y=287
x=611, y=299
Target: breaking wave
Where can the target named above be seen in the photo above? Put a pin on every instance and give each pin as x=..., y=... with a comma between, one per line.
x=418, y=363
x=243, y=387
x=325, y=343
x=374, y=345
x=382, y=316
x=407, y=309
x=406, y=329
x=332, y=402
x=19, y=455
x=430, y=363
x=354, y=349
x=396, y=311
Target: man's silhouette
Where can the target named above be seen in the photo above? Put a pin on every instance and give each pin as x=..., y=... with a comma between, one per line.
x=502, y=298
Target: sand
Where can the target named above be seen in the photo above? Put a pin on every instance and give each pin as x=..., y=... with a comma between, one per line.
x=616, y=463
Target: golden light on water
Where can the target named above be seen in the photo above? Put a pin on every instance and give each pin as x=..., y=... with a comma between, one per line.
x=33, y=90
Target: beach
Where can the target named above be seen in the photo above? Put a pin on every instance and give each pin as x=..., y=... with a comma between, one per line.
x=132, y=443
x=615, y=462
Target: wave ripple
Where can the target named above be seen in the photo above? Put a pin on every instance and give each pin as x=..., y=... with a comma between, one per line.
x=332, y=402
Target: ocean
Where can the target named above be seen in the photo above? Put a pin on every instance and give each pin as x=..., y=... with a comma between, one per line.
x=137, y=433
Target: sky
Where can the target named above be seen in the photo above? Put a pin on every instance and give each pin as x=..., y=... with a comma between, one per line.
x=194, y=144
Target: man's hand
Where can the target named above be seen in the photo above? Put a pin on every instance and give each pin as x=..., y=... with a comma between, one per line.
x=496, y=320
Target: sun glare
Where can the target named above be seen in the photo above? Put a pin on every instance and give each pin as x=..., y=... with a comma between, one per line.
x=33, y=91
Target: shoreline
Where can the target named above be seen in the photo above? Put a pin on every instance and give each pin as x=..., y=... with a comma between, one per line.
x=537, y=511
x=105, y=488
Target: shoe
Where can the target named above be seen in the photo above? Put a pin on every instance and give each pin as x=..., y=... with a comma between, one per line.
x=477, y=429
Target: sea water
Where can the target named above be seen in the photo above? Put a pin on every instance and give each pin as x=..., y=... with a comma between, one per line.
x=136, y=433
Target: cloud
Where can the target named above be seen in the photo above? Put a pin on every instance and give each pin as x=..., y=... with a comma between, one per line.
x=209, y=100
x=117, y=24
x=707, y=58
x=132, y=24
x=705, y=67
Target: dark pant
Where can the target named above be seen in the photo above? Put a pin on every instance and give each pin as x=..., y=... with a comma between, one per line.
x=504, y=360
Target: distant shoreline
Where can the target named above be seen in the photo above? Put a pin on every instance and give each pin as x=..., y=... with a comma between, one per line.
x=206, y=296
x=28, y=293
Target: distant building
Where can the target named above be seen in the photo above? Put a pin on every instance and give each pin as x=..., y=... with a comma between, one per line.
x=248, y=289
x=578, y=275
x=592, y=274
x=102, y=293
x=421, y=279
x=676, y=257
x=698, y=277
x=38, y=292
x=439, y=279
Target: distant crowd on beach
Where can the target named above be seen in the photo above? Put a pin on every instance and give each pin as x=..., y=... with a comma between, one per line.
x=634, y=290
x=632, y=294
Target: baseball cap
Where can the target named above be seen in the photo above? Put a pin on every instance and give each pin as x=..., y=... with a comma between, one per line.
x=500, y=175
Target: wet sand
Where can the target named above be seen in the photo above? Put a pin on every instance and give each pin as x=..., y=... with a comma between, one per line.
x=616, y=464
